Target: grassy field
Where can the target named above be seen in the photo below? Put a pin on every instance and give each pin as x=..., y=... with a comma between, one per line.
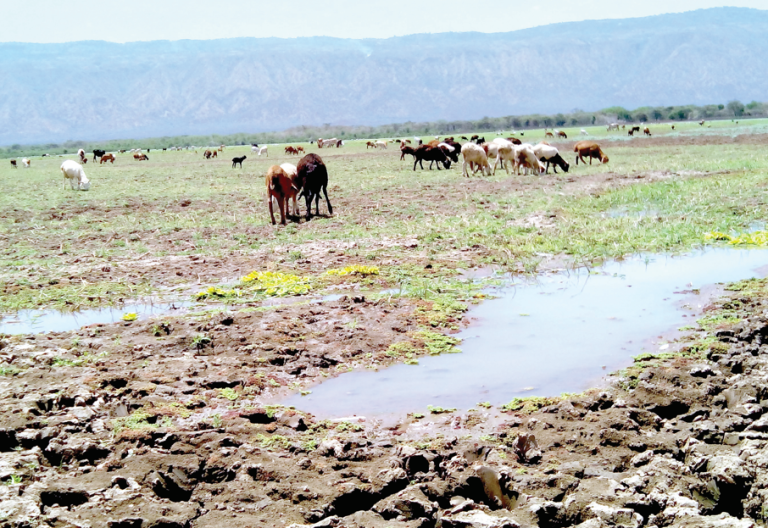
x=178, y=221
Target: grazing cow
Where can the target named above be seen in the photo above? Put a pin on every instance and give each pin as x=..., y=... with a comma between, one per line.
x=561, y=134
x=647, y=131
x=290, y=150
x=313, y=178
x=97, y=153
x=239, y=160
x=74, y=172
x=25, y=162
x=13, y=164
x=432, y=155
x=279, y=187
x=107, y=157
x=589, y=149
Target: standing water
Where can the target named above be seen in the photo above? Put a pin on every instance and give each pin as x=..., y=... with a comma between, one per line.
x=559, y=334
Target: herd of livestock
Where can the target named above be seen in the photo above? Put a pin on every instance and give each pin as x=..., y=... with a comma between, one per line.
x=288, y=182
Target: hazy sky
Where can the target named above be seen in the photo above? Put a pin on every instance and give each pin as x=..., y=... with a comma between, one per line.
x=132, y=20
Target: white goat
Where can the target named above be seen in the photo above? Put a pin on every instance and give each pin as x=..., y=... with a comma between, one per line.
x=381, y=144
x=525, y=157
x=25, y=162
x=263, y=150
x=584, y=132
x=74, y=172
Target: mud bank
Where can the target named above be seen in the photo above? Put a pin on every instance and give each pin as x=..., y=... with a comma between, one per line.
x=91, y=439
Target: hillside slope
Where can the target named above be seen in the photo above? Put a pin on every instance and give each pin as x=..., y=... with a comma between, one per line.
x=92, y=90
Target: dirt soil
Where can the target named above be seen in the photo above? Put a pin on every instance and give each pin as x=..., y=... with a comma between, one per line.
x=137, y=425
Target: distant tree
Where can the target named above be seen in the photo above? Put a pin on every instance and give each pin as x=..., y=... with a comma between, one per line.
x=720, y=107
x=560, y=120
x=641, y=117
x=594, y=118
x=657, y=114
x=547, y=122
x=574, y=121
x=736, y=108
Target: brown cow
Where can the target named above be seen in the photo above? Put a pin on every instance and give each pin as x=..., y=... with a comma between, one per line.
x=280, y=187
x=589, y=149
x=107, y=157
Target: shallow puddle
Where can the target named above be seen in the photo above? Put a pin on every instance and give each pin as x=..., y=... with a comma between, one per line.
x=36, y=321
x=562, y=333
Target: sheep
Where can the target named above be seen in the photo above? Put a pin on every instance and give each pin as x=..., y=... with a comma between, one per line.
x=25, y=162
x=313, y=178
x=561, y=134
x=74, y=172
x=13, y=164
x=550, y=154
x=370, y=144
x=405, y=149
x=549, y=134
x=264, y=150
x=432, y=155
x=280, y=187
x=239, y=160
x=701, y=123
x=526, y=157
x=107, y=157
x=505, y=152
x=583, y=132
x=473, y=153
x=381, y=144
x=647, y=131
x=292, y=172
x=451, y=149
x=613, y=126
x=589, y=149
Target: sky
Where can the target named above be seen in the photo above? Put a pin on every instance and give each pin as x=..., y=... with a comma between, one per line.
x=49, y=21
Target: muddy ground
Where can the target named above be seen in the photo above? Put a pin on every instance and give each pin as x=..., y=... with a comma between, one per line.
x=172, y=422
x=129, y=425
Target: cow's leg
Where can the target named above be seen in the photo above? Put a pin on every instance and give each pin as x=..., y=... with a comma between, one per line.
x=327, y=201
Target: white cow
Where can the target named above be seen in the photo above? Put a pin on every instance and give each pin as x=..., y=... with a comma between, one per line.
x=74, y=172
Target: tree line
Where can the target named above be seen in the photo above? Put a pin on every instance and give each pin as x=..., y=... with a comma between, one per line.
x=301, y=134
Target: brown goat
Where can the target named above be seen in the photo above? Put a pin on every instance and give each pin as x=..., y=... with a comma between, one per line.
x=647, y=131
x=561, y=134
x=280, y=187
x=549, y=134
x=405, y=149
x=107, y=157
x=589, y=149
x=13, y=164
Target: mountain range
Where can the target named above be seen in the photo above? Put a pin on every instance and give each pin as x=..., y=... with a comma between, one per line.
x=99, y=90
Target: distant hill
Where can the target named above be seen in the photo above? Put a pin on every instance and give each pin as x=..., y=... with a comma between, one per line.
x=99, y=90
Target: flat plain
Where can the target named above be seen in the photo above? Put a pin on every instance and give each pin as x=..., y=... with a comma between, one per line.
x=182, y=408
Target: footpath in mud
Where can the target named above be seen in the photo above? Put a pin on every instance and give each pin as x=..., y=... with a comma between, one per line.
x=126, y=425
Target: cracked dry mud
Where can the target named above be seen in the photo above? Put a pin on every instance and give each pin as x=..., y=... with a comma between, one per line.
x=147, y=435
